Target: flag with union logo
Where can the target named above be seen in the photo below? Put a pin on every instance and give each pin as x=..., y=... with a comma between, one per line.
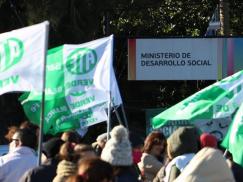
x=22, y=54
x=79, y=79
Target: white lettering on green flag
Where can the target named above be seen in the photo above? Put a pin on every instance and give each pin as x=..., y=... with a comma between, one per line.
x=77, y=82
x=219, y=100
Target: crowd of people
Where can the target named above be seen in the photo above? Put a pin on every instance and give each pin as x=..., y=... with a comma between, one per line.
x=186, y=156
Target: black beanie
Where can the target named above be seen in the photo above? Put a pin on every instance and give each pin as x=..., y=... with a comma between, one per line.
x=52, y=147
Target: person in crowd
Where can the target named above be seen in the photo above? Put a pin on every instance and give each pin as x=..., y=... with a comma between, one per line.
x=100, y=143
x=208, y=165
x=118, y=153
x=71, y=136
x=137, y=145
x=11, y=131
x=208, y=140
x=93, y=170
x=235, y=168
x=31, y=126
x=47, y=171
x=21, y=157
x=67, y=166
x=84, y=151
x=183, y=144
x=152, y=157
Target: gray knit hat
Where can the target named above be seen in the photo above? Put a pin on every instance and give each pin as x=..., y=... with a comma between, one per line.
x=118, y=151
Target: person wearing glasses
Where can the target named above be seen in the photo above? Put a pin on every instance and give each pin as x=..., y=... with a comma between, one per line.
x=21, y=156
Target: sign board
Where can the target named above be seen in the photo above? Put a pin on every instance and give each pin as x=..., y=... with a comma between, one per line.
x=183, y=58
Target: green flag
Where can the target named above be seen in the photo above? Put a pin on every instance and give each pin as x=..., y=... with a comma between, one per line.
x=219, y=100
x=233, y=140
x=78, y=80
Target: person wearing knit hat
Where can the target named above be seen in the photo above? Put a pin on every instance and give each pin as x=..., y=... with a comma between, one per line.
x=118, y=152
x=208, y=140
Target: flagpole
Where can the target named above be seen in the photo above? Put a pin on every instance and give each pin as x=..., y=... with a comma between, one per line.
x=124, y=115
x=109, y=116
x=226, y=152
x=43, y=98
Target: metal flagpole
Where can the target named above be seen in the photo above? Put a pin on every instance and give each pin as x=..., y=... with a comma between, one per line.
x=125, y=117
x=43, y=97
x=109, y=116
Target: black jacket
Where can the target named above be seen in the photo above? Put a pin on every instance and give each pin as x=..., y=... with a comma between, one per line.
x=45, y=172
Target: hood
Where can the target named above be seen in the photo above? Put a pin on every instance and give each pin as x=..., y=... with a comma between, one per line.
x=182, y=141
x=206, y=166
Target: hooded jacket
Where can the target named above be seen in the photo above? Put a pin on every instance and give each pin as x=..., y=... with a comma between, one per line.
x=208, y=165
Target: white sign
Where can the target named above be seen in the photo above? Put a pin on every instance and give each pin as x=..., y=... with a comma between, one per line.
x=174, y=59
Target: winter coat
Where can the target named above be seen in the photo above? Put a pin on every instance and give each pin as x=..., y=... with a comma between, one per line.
x=64, y=170
x=182, y=145
x=149, y=166
x=208, y=165
x=14, y=164
x=127, y=175
x=45, y=172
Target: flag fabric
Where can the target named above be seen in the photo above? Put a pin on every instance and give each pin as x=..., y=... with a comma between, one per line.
x=219, y=100
x=22, y=54
x=233, y=140
x=78, y=81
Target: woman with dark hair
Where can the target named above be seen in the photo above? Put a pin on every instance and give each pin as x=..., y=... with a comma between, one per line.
x=153, y=155
x=67, y=166
x=92, y=170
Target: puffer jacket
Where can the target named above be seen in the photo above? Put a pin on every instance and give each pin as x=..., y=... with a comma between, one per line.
x=208, y=165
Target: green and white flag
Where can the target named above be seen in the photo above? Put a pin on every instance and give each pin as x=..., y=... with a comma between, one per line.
x=78, y=80
x=233, y=140
x=22, y=55
x=219, y=100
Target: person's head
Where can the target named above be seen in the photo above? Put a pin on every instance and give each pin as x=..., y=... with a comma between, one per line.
x=24, y=138
x=11, y=131
x=52, y=147
x=155, y=144
x=208, y=140
x=71, y=136
x=118, y=150
x=182, y=141
x=67, y=152
x=93, y=170
x=84, y=151
x=31, y=126
x=101, y=140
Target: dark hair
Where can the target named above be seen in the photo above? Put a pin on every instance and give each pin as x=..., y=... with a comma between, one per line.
x=67, y=152
x=71, y=136
x=92, y=170
x=152, y=139
x=27, y=137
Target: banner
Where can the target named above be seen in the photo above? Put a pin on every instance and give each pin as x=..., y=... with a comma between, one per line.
x=216, y=127
x=22, y=54
x=234, y=138
x=186, y=58
x=219, y=100
x=79, y=79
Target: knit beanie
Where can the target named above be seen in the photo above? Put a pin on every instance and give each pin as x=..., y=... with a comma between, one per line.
x=182, y=141
x=52, y=147
x=208, y=140
x=118, y=150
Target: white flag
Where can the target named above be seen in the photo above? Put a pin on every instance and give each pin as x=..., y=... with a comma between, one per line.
x=88, y=74
x=22, y=54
